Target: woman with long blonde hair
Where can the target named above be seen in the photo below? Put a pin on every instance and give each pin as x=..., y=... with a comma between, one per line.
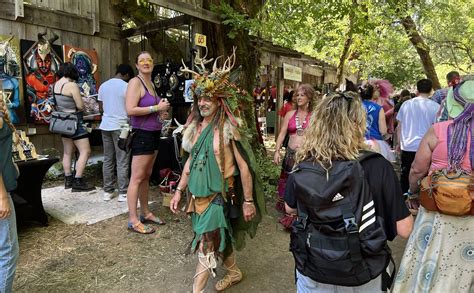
x=336, y=133
x=8, y=182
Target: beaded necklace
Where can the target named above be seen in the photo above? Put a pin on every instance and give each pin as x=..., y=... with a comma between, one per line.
x=300, y=127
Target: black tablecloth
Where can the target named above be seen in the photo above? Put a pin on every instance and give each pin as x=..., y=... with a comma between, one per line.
x=27, y=196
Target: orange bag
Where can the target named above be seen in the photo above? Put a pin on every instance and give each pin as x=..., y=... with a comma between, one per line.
x=450, y=193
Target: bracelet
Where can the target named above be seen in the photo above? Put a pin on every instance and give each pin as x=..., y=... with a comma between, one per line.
x=410, y=195
x=179, y=189
x=151, y=109
x=248, y=200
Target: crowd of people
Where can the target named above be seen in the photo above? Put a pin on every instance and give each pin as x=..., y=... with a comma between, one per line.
x=338, y=191
x=433, y=141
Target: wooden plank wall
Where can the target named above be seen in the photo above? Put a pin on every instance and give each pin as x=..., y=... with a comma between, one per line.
x=85, y=24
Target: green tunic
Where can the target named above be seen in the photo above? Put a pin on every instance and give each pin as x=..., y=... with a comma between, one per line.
x=205, y=177
x=205, y=180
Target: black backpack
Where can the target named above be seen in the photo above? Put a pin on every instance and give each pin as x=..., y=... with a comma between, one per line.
x=337, y=238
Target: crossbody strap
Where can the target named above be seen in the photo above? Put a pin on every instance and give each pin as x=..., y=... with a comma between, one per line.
x=146, y=89
x=154, y=90
x=54, y=95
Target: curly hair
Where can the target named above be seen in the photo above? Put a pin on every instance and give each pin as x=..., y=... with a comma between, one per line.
x=336, y=130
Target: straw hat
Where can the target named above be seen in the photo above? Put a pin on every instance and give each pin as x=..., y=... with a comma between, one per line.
x=467, y=93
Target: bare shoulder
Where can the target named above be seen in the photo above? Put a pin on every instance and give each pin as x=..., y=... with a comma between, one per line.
x=69, y=88
x=134, y=82
x=289, y=114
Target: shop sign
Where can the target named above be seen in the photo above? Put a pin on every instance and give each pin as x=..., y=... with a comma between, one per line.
x=200, y=40
x=291, y=72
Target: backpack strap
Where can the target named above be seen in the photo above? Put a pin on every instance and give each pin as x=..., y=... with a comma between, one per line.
x=353, y=240
x=54, y=94
x=302, y=216
x=387, y=279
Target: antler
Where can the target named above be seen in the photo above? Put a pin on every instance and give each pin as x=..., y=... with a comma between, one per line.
x=202, y=61
x=214, y=67
x=229, y=62
x=186, y=69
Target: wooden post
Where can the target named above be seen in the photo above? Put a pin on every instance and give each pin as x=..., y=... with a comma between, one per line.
x=279, y=100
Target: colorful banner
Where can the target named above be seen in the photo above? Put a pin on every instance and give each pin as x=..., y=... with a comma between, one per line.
x=86, y=62
x=41, y=61
x=11, y=82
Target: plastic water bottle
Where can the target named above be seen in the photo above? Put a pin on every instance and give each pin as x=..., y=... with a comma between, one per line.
x=124, y=128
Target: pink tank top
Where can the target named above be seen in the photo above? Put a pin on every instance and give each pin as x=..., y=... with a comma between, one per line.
x=292, y=123
x=439, y=157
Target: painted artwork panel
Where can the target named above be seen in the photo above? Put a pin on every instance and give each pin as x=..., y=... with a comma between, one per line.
x=41, y=61
x=87, y=64
x=11, y=81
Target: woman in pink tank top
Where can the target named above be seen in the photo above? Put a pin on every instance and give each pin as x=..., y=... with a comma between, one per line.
x=293, y=124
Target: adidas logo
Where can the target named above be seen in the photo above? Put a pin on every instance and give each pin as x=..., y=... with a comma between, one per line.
x=337, y=197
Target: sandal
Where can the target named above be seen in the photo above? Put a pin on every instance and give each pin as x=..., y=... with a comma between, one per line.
x=232, y=277
x=140, y=228
x=149, y=219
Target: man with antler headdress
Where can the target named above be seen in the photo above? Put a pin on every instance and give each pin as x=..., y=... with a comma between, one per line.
x=226, y=199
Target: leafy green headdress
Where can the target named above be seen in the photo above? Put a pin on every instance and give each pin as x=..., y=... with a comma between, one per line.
x=218, y=84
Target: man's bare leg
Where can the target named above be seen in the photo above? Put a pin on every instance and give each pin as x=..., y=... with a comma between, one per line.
x=206, y=264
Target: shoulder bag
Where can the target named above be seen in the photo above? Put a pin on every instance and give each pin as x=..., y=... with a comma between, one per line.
x=450, y=193
x=62, y=122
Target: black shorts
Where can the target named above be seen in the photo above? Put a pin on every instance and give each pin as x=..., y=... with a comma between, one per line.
x=145, y=142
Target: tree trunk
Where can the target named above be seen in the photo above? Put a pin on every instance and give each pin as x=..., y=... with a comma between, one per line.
x=343, y=58
x=246, y=56
x=347, y=45
x=422, y=49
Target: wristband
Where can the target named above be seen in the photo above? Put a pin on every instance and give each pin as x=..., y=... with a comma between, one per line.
x=151, y=109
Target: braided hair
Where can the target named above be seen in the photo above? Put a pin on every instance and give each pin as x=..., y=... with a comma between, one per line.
x=6, y=118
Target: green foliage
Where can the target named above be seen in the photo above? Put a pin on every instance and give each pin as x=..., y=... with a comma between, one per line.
x=236, y=21
x=380, y=45
x=269, y=174
x=390, y=56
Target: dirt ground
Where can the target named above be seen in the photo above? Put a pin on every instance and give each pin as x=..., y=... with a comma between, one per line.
x=105, y=257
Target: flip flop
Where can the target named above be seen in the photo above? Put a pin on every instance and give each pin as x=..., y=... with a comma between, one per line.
x=140, y=228
x=147, y=220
